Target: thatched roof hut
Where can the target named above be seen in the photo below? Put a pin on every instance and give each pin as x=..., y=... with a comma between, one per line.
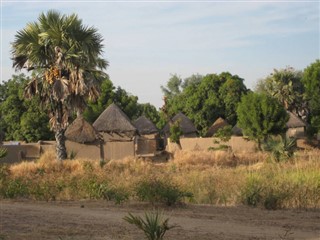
x=81, y=131
x=145, y=126
x=295, y=126
x=219, y=123
x=294, y=121
x=114, y=120
x=237, y=131
x=186, y=125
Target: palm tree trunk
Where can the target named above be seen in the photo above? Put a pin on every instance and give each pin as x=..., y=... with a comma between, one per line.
x=61, y=150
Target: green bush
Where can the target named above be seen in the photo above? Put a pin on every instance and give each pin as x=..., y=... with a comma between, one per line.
x=3, y=152
x=15, y=188
x=281, y=149
x=118, y=195
x=158, y=190
x=252, y=191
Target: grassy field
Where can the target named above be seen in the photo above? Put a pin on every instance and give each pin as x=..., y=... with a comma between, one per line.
x=216, y=177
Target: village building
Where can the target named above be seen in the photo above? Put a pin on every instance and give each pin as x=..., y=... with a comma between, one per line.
x=83, y=140
x=186, y=125
x=218, y=124
x=296, y=127
x=117, y=131
x=148, y=142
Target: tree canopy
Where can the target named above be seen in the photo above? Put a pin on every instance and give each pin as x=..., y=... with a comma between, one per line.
x=20, y=118
x=311, y=81
x=205, y=99
x=65, y=57
x=286, y=86
x=260, y=115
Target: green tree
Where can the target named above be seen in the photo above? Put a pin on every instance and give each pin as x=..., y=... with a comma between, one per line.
x=205, y=99
x=173, y=86
x=22, y=119
x=64, y=56
x=311, y=81
x=127, y=102
x=286, y=86
x=260, y=115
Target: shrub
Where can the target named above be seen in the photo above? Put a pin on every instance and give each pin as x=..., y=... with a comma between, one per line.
x=252, y=191
x=3, y=152
x=157, y=190
x=15, y=188
x=281, y=149
x=119, y=195
x=153, y=226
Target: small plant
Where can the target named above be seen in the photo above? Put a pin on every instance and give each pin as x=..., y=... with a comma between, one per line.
x=281, y=150
x=117, y=195
x=224, y=134
x=153, y=225
x=3, y=152
x=72, y=155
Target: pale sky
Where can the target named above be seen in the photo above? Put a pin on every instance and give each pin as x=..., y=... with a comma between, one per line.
x=147, y=41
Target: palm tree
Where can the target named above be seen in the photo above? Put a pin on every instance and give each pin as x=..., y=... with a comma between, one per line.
x=64, y=57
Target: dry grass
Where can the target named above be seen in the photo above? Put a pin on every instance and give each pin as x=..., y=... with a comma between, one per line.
x=213, y=177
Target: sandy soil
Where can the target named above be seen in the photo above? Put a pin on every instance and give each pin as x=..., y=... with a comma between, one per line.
x=103, y=220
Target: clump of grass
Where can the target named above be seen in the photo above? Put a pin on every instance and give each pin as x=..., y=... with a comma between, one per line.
x=153, y=225
x=161, y=190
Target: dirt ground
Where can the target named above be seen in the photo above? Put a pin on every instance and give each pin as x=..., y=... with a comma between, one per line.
x=100, y=220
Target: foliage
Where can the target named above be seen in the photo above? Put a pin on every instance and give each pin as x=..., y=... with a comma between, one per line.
x=175, y=132
x=252, y=192
x=64, y=56
x=127, y=102
x=311, y=82
x=260, y=116
x=286, y=86
x=157, y=190
x=205, y=99
x=22, y=119
x=3, y=152
x=153, y=225
x=173, y=87
x=281, y=149
x=224, y=133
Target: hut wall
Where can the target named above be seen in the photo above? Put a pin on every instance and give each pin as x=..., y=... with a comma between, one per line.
x=88, y=151
x=21, y=152
x=296, y=132
x=147, y=144
x=118, y=150
x=237, y=144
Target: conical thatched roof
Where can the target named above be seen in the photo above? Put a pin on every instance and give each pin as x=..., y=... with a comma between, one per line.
x=145, y=126
x=219, y=123
x=294, y=121
x=114, y=120
x=237, y=131
x=81, y=131
x=186, y=124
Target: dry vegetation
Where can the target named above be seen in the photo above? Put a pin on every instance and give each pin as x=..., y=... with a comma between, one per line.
x=216, y=177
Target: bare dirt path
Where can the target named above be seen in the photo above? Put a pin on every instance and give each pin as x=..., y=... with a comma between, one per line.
x=100, y=220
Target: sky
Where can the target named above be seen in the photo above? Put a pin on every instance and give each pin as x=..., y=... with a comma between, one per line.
x=145, y=42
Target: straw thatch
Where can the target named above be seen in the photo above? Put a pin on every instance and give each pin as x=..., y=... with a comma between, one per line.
x=219, y=123
x=81, y=131
x=186, y=125
x=294, y=121
x=145, y=126
x=237, y=131
x=114, y=120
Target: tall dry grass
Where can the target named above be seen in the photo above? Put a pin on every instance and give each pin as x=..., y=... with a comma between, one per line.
x=215, y=177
